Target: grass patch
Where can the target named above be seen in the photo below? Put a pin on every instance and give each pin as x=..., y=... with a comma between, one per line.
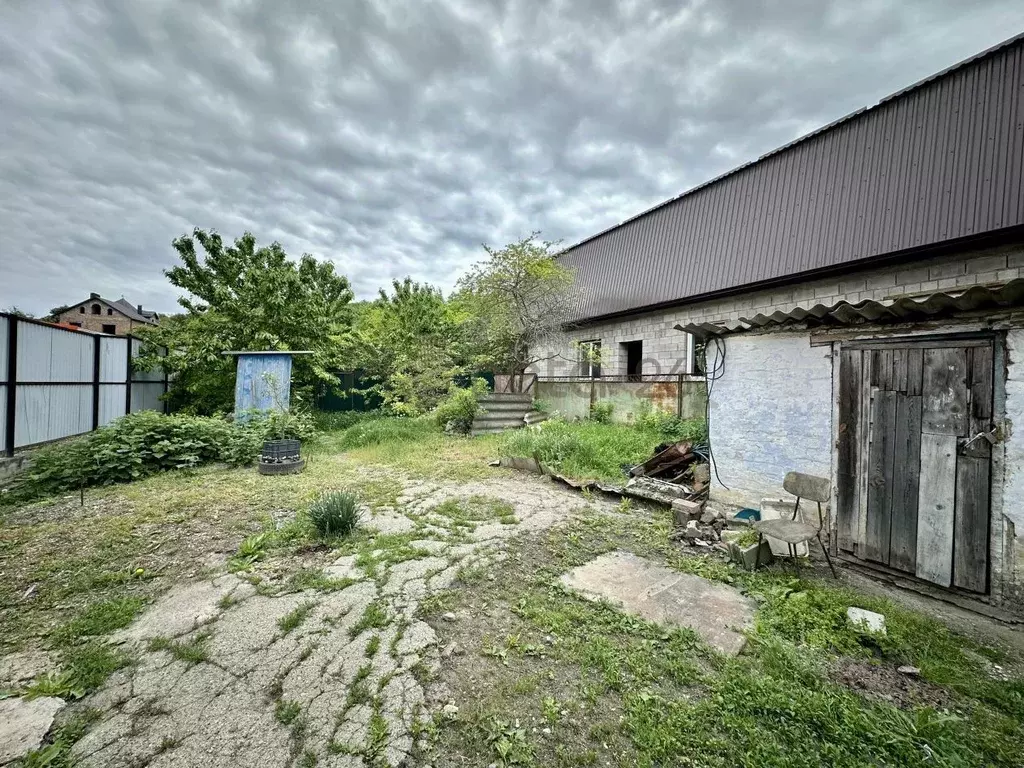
x=464, y=515
x=294, y=618
x=99, y=618
x=588, y=449
x=318, y=579
x=379, y=430
x=636, y=693
x=57, y=753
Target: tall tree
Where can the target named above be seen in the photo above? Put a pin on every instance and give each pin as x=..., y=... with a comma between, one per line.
x=516, y=303
x=407, y=342
x=244, y=297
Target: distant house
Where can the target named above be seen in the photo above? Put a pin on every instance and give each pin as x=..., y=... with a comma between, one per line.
x=117, y=318
x=859, y=295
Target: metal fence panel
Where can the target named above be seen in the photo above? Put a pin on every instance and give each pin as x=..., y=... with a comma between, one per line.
x=45, y=412
x=66, y=382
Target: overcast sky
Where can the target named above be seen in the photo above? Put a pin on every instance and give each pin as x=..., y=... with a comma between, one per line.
x=394, y=137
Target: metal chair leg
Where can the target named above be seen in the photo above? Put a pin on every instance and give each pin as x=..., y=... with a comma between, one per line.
x=827, y=558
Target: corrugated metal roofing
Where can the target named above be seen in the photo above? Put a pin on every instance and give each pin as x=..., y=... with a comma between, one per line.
x=843, y=313
x=941, y=160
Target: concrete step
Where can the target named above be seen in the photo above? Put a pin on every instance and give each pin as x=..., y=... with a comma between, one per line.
x=490, y=429
x=506, y=398
x=505, y=408
x=505, y=421
x=535, y=417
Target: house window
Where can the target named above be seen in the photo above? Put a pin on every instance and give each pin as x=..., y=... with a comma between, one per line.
x=633, y=354
x=82, y=310
x=77, y=325
x=95, y=309
x=111, y=329
x=590, y=358
x=110, y=311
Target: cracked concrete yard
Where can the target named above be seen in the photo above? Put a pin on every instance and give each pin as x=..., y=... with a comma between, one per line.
x=223, y=678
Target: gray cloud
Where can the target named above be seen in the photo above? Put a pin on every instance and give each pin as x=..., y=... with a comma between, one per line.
x=393, y=139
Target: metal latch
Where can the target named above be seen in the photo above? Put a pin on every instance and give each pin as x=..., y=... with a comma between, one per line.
x=992, y=436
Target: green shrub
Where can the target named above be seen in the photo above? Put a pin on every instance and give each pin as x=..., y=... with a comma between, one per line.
x=296, y=424
x=456, y=412
x=335, y=514
x=139, y=445
x=601, y=411
x=670, y=427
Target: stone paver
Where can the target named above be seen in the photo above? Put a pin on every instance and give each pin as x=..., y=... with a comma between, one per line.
x=221, y=711
x=24, y=723
x=715, y=611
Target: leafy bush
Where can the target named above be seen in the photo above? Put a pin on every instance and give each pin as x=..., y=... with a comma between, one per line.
x=139, y=445
x=335, y=514
x=650, y=419
x=456, y=413
x=294, y=424
x=601, y=411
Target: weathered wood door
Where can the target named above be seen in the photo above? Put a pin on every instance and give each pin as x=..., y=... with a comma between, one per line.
x=914, y=457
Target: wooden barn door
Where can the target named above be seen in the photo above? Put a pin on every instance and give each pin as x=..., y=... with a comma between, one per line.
x=914, y=457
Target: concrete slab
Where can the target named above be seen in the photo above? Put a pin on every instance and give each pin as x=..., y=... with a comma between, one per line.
x=716, y=612
x=24, y=723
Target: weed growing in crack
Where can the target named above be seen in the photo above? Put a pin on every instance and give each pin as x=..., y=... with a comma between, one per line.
x=191, y=651
x=251, y=550
x=372, y=645
x=227, y=601
x=57, y=753
x=286, y=711
x=84, y=668
x=317, y=578
x=375, y=616
x=359, y=690
x=377, y=736
x=167, y=743
x=294, y=618
x=437, y=603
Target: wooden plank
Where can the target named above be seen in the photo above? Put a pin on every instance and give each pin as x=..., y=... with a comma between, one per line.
x=847, y=476
x=915, y=363
x=880, y=477
x=935, y=507
x=979, y=374
x=899, y=369
x=944, y=388
x=970, y=558
x=906, y=471
x=881, y=368
x=867, y=393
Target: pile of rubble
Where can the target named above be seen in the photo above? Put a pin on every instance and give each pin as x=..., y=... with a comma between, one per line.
x=676, y=471
x=698, y=524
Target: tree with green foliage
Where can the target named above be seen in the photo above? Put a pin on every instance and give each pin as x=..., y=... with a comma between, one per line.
x=515, y=304
x=243, y=297
x=407, y=342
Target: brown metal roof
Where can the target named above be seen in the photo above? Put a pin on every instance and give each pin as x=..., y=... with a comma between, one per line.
x=843, y=313
x=939, y=161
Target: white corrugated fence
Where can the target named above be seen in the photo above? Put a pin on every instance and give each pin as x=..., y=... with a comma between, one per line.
x=56, y=382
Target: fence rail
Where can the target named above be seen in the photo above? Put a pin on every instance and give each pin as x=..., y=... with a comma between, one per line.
x=56, y=382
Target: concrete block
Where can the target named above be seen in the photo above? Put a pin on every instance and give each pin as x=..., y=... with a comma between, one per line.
x=986, y=263
x=866, y=621
x=685, y=511
x=940, y=271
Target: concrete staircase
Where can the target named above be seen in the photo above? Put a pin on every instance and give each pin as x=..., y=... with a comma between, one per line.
x=505, y=411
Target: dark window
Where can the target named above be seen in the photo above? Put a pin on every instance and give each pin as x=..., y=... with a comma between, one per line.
x=95, y=309
x=111, y=329
x=77, y=325
x=590, y=358
x=633, y=351
x=110, y=311
x=82, y=310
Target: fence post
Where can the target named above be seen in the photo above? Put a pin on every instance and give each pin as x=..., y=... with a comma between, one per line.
x=128, y=376
x=12, y=377
x=679, y=397
x=95, y=382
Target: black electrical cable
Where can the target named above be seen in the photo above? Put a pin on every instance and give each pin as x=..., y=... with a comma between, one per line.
x=710, y=377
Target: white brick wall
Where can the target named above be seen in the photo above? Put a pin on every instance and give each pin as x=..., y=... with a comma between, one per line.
x=762, y=426
x=665, y=348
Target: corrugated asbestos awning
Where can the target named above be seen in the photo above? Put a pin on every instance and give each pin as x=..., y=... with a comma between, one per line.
x=902, y=310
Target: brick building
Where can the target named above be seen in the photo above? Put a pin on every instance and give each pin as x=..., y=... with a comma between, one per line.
x=859, y=296
x=117, y=318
